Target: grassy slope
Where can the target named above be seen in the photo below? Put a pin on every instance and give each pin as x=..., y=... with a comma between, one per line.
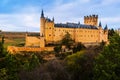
x=13, y=42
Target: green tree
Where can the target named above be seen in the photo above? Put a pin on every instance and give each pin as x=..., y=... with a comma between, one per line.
x=57, y=49
x=2, y=45
x=67, y=40
x=34, y=61
x=111, y=32
x=107, y=64
x=80, y=65
x=77, y=47
x=11, y=65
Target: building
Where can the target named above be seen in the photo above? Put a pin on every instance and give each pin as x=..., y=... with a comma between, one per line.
x=50, y=32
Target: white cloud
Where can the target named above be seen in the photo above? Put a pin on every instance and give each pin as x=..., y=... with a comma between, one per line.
x=111, y=19
x=113, y=22
x=27, y=17
x=19, y=22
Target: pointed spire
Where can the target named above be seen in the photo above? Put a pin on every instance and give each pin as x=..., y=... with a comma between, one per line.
x=100, y=25
x=53, y=19
x=106, y=28
x=42, y=14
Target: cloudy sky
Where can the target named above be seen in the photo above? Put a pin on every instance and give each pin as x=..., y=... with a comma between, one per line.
x=24, y=15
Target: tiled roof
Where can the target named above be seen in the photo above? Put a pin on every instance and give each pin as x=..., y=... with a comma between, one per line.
x=75, y=25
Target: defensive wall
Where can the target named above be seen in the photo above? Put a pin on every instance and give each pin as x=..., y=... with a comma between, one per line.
x=15, y=50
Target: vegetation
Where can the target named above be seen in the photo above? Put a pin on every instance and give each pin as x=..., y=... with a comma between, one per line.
x=67, y=46
x=111, y=32
x=107, y=64
x=79, y=66
x=2, y=45
x=92, y=63
x=67, y=40
x=10, y=65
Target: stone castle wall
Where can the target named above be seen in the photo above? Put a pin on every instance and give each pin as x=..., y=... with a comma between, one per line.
x=32, y=41
x=15, y=50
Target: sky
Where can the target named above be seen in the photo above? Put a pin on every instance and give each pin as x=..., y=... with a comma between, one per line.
x=24, y=15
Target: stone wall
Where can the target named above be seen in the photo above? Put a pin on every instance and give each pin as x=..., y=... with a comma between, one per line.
x=15, y=50
x=32, y=41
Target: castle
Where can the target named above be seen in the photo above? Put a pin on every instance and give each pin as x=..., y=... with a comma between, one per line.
x=50, y=32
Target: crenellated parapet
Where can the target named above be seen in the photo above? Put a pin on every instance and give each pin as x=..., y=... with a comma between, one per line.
x=91, y=20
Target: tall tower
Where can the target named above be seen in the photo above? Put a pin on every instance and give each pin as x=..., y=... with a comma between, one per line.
x=106, y=34
x=91, y=20
x=42, y=24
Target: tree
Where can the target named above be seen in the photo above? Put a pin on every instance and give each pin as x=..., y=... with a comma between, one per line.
x=107, y=64
x=2, y=45
x=57, y=49
x=77, y=47
x=67, y=40
x=80, y=65
x=111, y=32
x=11, y=65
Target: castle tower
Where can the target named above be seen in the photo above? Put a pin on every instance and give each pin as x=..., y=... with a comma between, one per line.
x=42, y=24
x=101, y=37
x=106, y=34
x=91, y=20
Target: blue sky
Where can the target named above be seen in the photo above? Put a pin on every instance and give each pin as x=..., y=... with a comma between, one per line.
x=24, y=15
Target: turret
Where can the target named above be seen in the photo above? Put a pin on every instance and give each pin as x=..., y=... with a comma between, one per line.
x=53, y=19
x=106, y=34
x=42, y=14
x=100, y=25
x=106, y=28
x=42, y=24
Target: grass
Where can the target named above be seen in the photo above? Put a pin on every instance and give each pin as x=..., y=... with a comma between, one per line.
x=14, y=42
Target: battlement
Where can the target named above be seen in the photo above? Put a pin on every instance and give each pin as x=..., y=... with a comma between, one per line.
x=91, y=16
x=91, y=20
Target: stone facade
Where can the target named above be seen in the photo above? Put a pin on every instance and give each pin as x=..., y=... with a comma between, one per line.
x=89, y=32
x=32, y=41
